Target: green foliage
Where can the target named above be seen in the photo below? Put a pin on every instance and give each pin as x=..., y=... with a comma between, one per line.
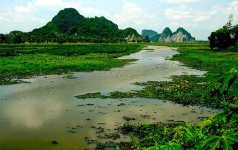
x=67, y=18
x=225, y=80
x=215, y=142
x=224, y=37
x=146, y=39
x=26, y=60
x=167, y=146
x=152, y=35
x=167, y=32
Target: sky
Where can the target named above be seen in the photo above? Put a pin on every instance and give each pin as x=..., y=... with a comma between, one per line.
x=198, y=17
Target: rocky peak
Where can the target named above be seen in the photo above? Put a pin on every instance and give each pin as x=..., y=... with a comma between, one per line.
x=165, y=35
x=180, y=35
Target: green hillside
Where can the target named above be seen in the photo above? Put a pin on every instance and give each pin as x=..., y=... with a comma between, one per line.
x=70, y=26
x=153, y=35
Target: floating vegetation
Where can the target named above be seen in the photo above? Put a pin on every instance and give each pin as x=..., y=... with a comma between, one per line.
x=101, y=123
x=145, y=116
x=69, y=77
x=90, y=141
x=72, y=131
x=112, y=136
x=122, y=104
x=90, y=104
x=128, y=118
x=91, y=95
x=54, y=142
x=148, y=49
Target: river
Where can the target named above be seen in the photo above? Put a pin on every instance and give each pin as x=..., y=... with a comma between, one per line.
x=34, y=114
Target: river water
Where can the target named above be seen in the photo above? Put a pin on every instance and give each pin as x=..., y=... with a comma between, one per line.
x=34, y=114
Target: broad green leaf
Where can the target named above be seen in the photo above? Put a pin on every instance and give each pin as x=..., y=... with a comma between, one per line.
x=215, y=80
x=225, y=82
x=153, y=148
x=171, y=146
x=223, y=141
x=215, y=144
x=232, y=81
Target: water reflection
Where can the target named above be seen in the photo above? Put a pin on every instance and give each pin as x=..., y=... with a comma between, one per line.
x=31, y=113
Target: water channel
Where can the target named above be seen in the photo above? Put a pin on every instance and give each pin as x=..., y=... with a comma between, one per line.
x=34, y=114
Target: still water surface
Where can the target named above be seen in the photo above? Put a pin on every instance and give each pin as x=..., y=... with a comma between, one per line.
x=34, y=114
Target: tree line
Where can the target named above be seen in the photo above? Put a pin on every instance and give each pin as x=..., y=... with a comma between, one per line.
x=224, y=37
x=17, y=37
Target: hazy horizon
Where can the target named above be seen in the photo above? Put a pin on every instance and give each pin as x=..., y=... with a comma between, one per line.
x=199, y=17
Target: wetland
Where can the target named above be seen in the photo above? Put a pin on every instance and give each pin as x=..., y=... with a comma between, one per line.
x=82, y=110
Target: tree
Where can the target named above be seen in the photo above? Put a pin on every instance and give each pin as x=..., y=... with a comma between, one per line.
x=2, y=38
x=234, y=35
x=223, y=39
x=212, y=39
x=147, y=38
x=17, y=37
x=225, y=36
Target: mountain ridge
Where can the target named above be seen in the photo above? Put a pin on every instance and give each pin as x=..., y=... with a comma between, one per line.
x=70, y=26
x=68, y=21
x=180, y=35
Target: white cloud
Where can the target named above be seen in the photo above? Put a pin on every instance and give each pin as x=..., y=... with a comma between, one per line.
x=179, y=1
x=186, y=14
x=91, y=12
x=48, y=2
x=222, y=14
x=131, y=13
x=60, y=4
x=175, y=23
x=201, y=18
x=21, y=14
x=35, y=19
x=11, y=17
x=183, y=24
x=231, y=9
x=178, y=13
x=25, y=9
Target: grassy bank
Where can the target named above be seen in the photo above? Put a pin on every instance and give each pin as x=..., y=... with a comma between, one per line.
x=27, y=60
x=217, y=132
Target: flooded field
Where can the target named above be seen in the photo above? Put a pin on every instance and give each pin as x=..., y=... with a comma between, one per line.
x=35, y=114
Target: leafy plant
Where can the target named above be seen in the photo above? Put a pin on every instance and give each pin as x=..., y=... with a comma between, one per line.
x=118, y=148
x=225, y=80
x=168, y=146
x=224, y=141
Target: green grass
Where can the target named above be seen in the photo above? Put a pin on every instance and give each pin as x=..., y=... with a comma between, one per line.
x=27, y=60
